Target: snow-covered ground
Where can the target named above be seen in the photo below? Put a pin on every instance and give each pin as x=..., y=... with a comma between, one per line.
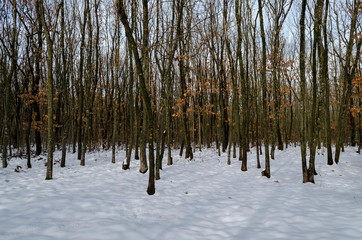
x=200, y=199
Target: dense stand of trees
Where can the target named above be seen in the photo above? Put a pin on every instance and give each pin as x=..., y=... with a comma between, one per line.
x=155, y=75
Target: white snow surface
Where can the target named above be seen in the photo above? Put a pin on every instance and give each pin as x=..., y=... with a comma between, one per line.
x=200, y=199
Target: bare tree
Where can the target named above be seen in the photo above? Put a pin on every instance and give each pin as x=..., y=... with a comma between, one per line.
x=265, y=117
x=145, y=94
x=49, y=42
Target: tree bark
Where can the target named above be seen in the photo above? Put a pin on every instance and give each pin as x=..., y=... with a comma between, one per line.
x=303, y=87
x=265, y=117
x=49, y=42
x=145, y=94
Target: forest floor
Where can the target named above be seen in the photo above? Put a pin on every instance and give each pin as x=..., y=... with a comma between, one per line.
x=200, y=199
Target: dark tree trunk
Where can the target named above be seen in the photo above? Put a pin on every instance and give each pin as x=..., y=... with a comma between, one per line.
x=303, y=87
x=146, y=97
x=49, y=41
x=266, y=171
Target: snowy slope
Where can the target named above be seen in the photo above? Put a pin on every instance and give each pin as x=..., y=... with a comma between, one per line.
x=200, y=199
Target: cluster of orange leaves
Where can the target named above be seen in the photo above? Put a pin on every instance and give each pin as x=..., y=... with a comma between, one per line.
x=41, y=99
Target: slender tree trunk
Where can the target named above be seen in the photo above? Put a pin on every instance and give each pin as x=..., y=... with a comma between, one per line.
x=87, y=86
x=114, y=125
x=256, y=99
x=40, y=9
x=168, y=121
x=303, y=87
x=265, y=117
x=313, y=120
x=138, y=128
x=28, y=132
x=65, y=115
x=145, y=94
x=236, y=135
x=143, y=141
x=323, y=61
x=6, y=137
x=244, y=90
x=130, y=108
x=80, y=130
x=8, y=79
x=276, y=87
x=35, y=87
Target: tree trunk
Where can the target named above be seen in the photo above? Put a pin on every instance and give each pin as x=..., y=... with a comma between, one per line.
x=130, y=107
x=87, y=86
x=65, y=115
x=114, y=127
x=303, y=87
x=265, y=117
x=323, y=61
x=40, y=10
x=244, y=91
x=145, y=94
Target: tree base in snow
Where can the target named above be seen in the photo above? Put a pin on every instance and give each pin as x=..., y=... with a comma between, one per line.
x=125, y=166
x=265, y=173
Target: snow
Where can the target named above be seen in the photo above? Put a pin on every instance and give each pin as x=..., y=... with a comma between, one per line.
x=200, y=199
